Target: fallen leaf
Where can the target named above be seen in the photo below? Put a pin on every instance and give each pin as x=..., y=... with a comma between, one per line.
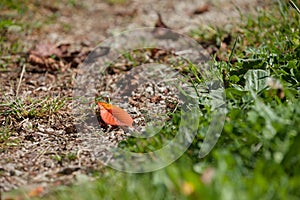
x=65, y=56
x=114, y=115
x=162, y=31
x=46, y=49
x=201, y=9
x=155, y=99
x=158, y=53
x=68, y=170
x=36, y=192
x=126, y=12
x=159, y=23
x=33, y=59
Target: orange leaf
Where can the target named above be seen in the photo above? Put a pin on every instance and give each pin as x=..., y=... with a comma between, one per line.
x=114, y=115
x=36, y=191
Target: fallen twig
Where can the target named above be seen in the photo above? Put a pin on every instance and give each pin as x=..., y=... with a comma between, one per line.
x=20, y=81
x=294, y=6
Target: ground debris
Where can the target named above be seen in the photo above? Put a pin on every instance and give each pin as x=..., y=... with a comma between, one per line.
x=53, y=57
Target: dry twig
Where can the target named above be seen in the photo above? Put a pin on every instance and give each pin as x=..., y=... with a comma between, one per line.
x=20, y=81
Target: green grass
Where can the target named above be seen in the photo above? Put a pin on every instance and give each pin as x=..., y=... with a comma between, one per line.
x=13, y=112
x=60, y=158
x=31, y=107
x=257, y=155
x=18, y=5
x=20, y=18
x=116, y=2
x=150, y=144
x=10, y=24
x=5, y=133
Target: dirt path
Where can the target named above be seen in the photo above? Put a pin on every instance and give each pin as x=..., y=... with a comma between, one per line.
x=94, y=21
x=44, y=148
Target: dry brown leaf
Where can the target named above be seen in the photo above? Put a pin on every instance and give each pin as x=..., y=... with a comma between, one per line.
x=65, y=56
x=36, y=60
x=46, y=49
x=162, y=31
x=201, y=9
x=126, y=12
x=159, y=23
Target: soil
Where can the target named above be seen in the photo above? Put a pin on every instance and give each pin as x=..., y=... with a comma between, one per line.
x=45, y=149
